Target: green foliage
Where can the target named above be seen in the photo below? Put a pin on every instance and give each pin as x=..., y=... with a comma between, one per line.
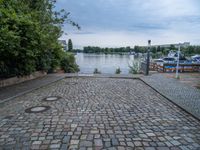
x=118, y=71
x=29, y=32
x=96, y=71
x=166, y=51
x=70, y=45
x=16, y=55
x=156, y=51
x=68, y=63
x=140, y=49
x=191, y=50
x=172, y=47
x=135, y=67
x=153, y=55
x=91, y=49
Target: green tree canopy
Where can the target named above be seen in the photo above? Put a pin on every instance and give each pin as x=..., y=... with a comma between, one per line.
x=70, y=45
x=29, y=32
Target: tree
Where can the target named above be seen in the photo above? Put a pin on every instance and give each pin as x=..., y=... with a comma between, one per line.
x=29, y=36
x=153, y=49
x=158, y=49
x=172, y=47
x=70, y=45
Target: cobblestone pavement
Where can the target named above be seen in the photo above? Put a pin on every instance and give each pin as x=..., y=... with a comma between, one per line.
x=97, y=113
x=191, y=79
x=11, y=91
x=182, y=94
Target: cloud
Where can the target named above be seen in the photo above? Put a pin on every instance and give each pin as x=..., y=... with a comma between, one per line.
x=124, y=22
x=83, y=33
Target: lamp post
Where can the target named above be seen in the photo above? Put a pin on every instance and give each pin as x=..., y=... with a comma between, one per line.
x=177, y=65
x=148, y=58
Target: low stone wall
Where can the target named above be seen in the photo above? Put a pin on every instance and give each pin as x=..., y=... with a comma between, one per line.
x=16, y=80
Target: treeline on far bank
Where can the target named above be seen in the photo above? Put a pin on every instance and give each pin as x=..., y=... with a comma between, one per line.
x=156, y=51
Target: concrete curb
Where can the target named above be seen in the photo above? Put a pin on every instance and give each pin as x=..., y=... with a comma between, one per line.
x=30, y=90
x=17, y=80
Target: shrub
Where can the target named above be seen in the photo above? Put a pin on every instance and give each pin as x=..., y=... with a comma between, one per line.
x=135, y=68
x=118, y=71
x=96, y=71
x=68, y=63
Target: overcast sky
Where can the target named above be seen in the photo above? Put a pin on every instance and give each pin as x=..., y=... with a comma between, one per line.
x=114, y=23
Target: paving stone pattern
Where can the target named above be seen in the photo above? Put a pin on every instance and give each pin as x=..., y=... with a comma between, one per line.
x=183, y=95
x=97, y=113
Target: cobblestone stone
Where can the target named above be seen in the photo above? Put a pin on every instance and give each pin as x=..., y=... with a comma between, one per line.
x=97, y=113
x=55, y=146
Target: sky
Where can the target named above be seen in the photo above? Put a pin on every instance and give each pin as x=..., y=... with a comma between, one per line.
x=117, y=23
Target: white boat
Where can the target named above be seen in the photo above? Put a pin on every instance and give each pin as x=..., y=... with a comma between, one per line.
x=174, y=54
x=196, y=58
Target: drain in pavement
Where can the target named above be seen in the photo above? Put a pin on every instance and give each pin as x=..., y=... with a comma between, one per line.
x=52, y=98
x=37, y=109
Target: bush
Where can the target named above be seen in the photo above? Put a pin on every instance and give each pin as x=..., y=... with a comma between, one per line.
x=154, y=55
x=118, y=71
x=29, y=32
x=68, y=63
x=96, y=71
x=135, y=68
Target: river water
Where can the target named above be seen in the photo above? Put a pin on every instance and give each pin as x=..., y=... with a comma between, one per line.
x=104, y=63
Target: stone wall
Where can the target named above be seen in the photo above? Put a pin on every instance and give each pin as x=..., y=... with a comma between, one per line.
x=16, y=80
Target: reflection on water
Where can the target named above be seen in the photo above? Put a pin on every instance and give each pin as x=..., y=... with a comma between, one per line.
x=104, y=63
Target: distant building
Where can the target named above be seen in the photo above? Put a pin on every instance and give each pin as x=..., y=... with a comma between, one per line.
x=64, y=44
x=185, y=44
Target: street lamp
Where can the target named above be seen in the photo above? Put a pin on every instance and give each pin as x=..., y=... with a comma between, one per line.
x=148, y=57
x=177, y=65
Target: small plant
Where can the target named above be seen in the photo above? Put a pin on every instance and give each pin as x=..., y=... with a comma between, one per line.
x=118, y=71
x=96, y=71
x=68, y=63
x=135, y=68
x=178, y=77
